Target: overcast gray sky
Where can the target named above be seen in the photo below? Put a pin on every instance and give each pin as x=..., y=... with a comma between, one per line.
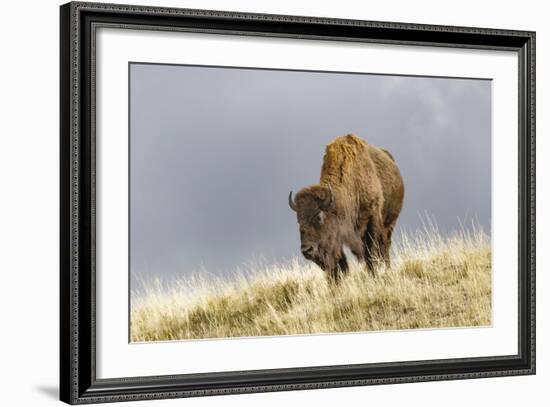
x=215, y=151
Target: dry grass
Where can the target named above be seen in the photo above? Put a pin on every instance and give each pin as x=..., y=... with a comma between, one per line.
x=434, y=282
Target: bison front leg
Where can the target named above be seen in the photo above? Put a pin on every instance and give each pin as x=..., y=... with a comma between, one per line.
x=339, y=269
x=343, y=264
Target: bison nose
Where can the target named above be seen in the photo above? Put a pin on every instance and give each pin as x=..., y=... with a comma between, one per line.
x=306, y=250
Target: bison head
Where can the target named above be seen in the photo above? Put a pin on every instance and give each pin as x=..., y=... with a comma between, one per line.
x=315, y=208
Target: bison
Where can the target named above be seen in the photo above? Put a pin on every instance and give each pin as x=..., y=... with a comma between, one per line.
x=355, y=204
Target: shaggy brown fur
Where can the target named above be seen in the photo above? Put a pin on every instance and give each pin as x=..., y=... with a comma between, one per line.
x=356, y=204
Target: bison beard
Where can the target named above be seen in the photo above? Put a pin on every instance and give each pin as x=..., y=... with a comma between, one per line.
x=356, y=204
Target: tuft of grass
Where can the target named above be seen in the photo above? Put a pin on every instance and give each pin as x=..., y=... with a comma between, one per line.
x=434, y=282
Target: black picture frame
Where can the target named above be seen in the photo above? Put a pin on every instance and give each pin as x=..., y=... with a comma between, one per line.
x=78, y=382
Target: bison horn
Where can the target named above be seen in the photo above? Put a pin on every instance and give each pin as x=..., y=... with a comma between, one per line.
x=331, y=197
x=291, y=202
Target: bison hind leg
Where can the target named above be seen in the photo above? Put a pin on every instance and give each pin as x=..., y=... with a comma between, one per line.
x=389, y=232
x=376, y=246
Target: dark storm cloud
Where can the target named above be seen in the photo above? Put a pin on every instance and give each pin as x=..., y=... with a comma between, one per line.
x=214, y=153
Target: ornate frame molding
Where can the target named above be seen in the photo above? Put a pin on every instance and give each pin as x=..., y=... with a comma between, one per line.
x=78, y=382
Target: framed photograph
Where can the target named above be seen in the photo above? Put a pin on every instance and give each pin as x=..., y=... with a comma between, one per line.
x=254, y=203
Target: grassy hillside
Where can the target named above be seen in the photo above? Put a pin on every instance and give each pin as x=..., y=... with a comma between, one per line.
x=433, y=282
